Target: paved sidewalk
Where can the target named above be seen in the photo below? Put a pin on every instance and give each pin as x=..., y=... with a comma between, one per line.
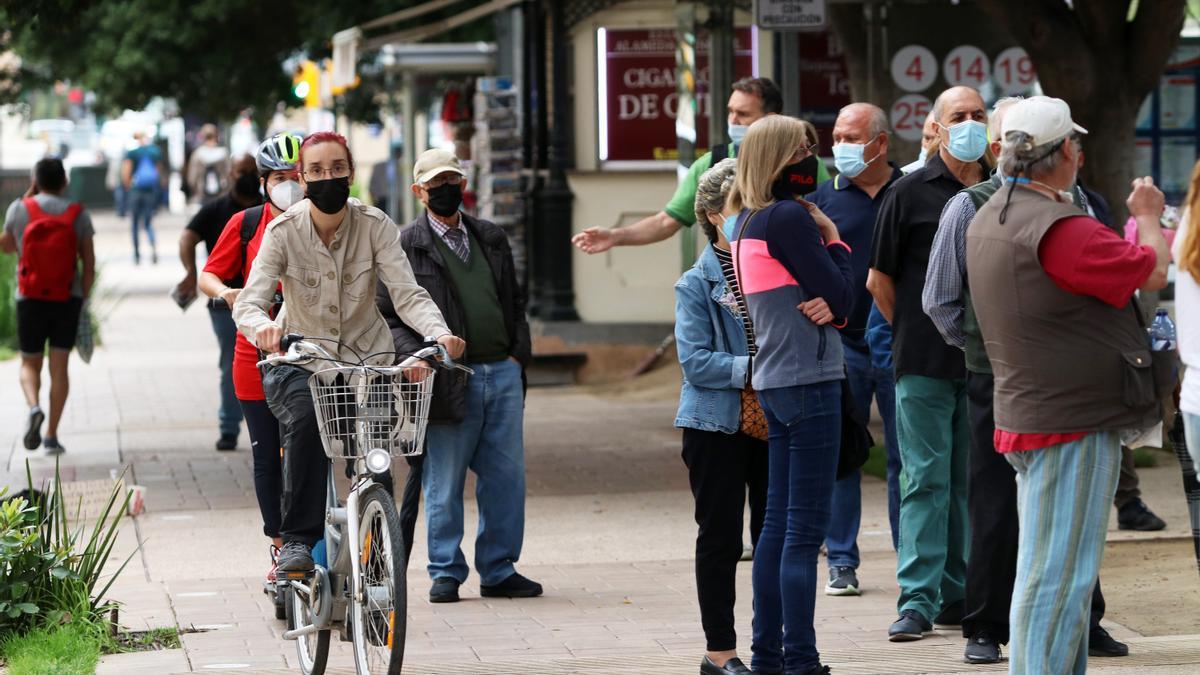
x=609, y=532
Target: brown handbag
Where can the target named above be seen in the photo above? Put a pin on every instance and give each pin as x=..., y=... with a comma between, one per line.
x=754, y=420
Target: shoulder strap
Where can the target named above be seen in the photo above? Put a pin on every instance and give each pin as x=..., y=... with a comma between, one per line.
x=32, y=208
x=250, y=218
x=737, y=265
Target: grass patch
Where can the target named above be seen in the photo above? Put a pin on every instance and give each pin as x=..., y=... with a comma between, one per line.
x=876, y=464
x=68, y=649
x=1145, y=457
x=142, y=641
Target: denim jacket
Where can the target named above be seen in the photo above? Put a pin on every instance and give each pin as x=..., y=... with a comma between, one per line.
x=711, y=343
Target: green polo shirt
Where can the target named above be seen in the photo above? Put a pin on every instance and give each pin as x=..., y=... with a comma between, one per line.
x=682, y=206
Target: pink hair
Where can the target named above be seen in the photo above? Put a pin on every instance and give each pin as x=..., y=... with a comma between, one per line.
x=319, y=137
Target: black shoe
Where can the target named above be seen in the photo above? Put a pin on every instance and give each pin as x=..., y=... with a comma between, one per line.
x=950, y=616
x=515, y=586
x=981, y=648
x=33, y=432
x=294, y=557
x=444, y=589
x=733, y=666
x=842, y=581
x=52, y=446
x=1100, y=643
x=817, y=670
x=227, y=442
x=910, y=626
x=1135, y=516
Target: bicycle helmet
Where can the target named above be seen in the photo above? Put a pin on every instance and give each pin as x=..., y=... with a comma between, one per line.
x=280, y=152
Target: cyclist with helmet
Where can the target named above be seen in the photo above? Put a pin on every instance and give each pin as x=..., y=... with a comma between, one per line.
x=228, y=265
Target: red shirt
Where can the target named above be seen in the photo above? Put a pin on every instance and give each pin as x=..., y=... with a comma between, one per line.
x=226, y=262
x=1083, y=256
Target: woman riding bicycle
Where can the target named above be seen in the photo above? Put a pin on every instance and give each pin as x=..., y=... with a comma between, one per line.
x=231, y=261
x=328, y=255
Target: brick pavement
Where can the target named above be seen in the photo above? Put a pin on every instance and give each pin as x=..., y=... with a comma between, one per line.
x=609, y=529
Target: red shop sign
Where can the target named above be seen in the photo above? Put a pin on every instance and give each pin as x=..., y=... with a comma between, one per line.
x=638, y=99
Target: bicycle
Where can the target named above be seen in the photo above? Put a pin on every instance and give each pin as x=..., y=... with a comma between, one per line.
x=366, y=414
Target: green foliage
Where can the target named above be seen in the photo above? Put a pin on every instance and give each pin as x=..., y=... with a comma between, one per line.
x=68, y=649
x=215, y=57
x=8, y=302
x=51, y=572
x=876, y=464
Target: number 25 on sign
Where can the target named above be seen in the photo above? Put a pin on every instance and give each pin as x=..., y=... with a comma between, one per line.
x=908, y=116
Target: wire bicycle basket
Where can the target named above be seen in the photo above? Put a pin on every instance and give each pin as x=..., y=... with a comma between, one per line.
x=363, y=408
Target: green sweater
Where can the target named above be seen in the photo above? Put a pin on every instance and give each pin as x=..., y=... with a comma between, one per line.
x=487, y=338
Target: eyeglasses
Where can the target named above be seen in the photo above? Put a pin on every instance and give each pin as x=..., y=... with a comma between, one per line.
x=318, y=173
x=443, y=179
x=806, y=151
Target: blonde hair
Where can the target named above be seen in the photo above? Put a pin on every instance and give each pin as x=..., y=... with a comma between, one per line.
x=770, y=144
x=1189, y=250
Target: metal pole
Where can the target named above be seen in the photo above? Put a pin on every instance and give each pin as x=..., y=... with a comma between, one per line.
x=408, y=111
x=720, y=67
x=789, y=77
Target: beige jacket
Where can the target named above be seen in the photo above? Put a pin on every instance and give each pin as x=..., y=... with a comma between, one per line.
x=330, y=291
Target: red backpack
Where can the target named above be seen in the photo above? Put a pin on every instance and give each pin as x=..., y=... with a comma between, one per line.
x=46, y=269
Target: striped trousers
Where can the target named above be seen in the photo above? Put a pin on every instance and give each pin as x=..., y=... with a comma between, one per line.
x=1064, y=496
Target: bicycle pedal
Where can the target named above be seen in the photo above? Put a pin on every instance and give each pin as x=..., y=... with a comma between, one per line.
x=293, y=576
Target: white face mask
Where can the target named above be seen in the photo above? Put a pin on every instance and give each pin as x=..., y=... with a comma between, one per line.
x=283, y=195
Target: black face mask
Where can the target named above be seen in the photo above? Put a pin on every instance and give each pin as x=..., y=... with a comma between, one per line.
x=444, y=200
x=329, y=195
x=796, y=180
x=246, y=187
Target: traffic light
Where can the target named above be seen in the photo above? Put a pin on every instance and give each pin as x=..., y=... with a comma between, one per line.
x=306, y=84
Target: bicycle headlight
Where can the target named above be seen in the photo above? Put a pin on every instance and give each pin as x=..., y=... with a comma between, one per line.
x=378, y=460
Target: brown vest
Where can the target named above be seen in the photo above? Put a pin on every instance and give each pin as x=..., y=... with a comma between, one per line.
x=1063, y=362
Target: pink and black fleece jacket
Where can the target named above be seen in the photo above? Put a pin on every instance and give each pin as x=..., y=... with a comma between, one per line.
x=782, y=261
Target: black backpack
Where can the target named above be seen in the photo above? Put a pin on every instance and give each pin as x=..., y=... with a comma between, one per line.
x=250, y=218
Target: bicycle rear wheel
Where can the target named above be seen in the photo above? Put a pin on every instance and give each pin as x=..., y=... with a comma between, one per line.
x=312, y=649
x=381, y=599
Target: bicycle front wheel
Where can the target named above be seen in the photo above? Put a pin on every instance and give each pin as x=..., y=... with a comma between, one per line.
x=381, y=600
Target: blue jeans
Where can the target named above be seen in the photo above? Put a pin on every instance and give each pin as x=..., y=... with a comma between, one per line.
x=230, y=413
x=805, y=432
x=866, y=381
x=142, y=205
x=489, y=441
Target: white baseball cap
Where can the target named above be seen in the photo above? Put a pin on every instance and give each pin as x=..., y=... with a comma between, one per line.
x=1045, y=119
x=432, y=162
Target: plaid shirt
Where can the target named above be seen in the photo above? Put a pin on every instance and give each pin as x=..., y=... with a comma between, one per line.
x=441, y=228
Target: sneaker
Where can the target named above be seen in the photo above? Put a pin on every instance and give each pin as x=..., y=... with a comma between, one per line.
x=515, y=586
x=444, y=589
x=1136, y=516
x=981, y=648
x=952, y=615
x=271, y=577
x=52, y=446
x=227, y=442
x=33, y=432
x=910, y=626
x=1100, y=643
x=842, y=581
x=294, y=557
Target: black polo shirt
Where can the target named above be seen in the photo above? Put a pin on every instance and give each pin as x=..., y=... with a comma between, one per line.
x=210, y=220
x=904, y=230
x=854, y=212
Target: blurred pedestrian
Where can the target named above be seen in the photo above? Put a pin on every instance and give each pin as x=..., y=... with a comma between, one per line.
x=208, y=169
x=796, y=275
x=715, y=343
x=1187, y=325
x=992, y=486
x=1071, y=365
x=752, y=99
x=56, y=265
x=144, y=176
x=929, y=143
x=229, y=264
x=851, y=200
x=207, y=226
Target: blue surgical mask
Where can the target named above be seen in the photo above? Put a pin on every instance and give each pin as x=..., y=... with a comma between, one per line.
x=728, y=227
x=737, y=132
x=968, y=140
x=923, y=155
x=848, y=158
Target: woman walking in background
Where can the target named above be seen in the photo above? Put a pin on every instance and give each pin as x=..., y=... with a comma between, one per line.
x=795, y=273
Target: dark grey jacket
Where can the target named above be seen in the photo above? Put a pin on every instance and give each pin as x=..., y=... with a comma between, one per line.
x=417, y=239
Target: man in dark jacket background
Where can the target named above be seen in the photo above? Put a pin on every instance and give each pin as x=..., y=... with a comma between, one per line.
x=475, y=422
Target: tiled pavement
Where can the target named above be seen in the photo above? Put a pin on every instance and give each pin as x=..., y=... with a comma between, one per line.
x=609, y=528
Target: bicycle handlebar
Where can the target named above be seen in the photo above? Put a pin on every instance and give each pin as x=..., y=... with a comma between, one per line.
x=296, y=349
